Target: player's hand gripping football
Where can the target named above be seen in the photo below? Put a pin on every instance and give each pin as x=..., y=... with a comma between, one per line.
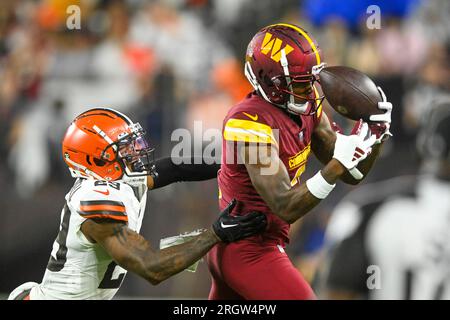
x=381, y=123
x=351, y=150
x=232, y=228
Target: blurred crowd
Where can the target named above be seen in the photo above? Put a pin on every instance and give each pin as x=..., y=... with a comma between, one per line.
x=166, y=64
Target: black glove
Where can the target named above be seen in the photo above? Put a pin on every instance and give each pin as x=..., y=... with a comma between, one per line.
x=229, y=228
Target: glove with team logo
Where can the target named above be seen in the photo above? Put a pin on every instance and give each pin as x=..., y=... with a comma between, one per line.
x=351, y=150
x=232, y=228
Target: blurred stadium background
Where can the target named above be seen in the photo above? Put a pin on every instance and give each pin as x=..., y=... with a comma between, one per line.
x=167, y=63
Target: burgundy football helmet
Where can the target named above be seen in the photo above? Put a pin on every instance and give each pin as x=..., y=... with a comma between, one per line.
x=280, y=59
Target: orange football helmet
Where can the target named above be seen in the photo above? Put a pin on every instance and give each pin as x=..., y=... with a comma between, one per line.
x=106, y=145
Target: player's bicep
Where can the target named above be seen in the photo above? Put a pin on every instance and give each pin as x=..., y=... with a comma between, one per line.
x=268, y=174
x=257, y=155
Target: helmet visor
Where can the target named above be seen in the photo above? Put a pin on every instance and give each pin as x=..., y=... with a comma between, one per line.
x=134, y=153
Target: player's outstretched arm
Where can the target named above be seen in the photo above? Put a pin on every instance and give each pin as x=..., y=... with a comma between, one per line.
x=323, y=143
x=134, y=253
x=291, y=201
x=270, y=178
x=196, y=169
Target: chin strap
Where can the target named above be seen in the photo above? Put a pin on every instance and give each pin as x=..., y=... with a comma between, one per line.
x=296, y=108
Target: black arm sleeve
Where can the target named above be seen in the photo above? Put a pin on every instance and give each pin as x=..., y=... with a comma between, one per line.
x=168, y=172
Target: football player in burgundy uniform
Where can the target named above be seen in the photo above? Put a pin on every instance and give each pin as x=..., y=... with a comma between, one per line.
x=267, y=139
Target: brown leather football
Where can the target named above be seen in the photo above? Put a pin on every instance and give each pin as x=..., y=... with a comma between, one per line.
x=350, y=92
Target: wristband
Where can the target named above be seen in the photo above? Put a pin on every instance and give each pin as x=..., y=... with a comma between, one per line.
x=319, y=187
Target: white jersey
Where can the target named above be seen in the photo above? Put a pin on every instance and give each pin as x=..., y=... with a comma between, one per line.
x=77, y=268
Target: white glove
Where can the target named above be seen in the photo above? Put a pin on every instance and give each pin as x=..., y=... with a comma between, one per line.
x=383, y=105
x=351, y=150
x=382, y=122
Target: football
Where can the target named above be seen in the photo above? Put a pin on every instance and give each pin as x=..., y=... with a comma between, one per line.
x=350, y=92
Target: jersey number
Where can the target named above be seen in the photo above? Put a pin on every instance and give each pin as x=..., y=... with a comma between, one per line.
x=57, y=264
x=114, y=185
x=108, y=282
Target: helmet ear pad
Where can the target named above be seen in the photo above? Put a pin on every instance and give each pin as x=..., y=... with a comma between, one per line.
x=99, y=162
x=270, y=84
x=111, y=170
x=280, y=87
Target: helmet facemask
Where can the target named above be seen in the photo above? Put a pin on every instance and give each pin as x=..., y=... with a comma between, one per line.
x=288, y=89
x=299, y=93
x=133, y=152
x=299, y=90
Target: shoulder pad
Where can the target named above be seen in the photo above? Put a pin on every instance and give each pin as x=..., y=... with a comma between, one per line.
x=102, y=199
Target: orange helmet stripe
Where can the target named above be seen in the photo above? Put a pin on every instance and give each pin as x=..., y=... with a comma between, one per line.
x=304, y=34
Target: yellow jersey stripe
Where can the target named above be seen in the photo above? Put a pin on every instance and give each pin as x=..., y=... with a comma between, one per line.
x=304, y=34
x=248, y=131
x=249, y=125
x=232, y=134
x=245, y=137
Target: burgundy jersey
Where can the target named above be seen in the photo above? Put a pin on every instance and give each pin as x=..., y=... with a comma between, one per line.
x=254, y=120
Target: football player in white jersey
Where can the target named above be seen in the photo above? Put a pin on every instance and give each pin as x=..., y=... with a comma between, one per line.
x=99, y=239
